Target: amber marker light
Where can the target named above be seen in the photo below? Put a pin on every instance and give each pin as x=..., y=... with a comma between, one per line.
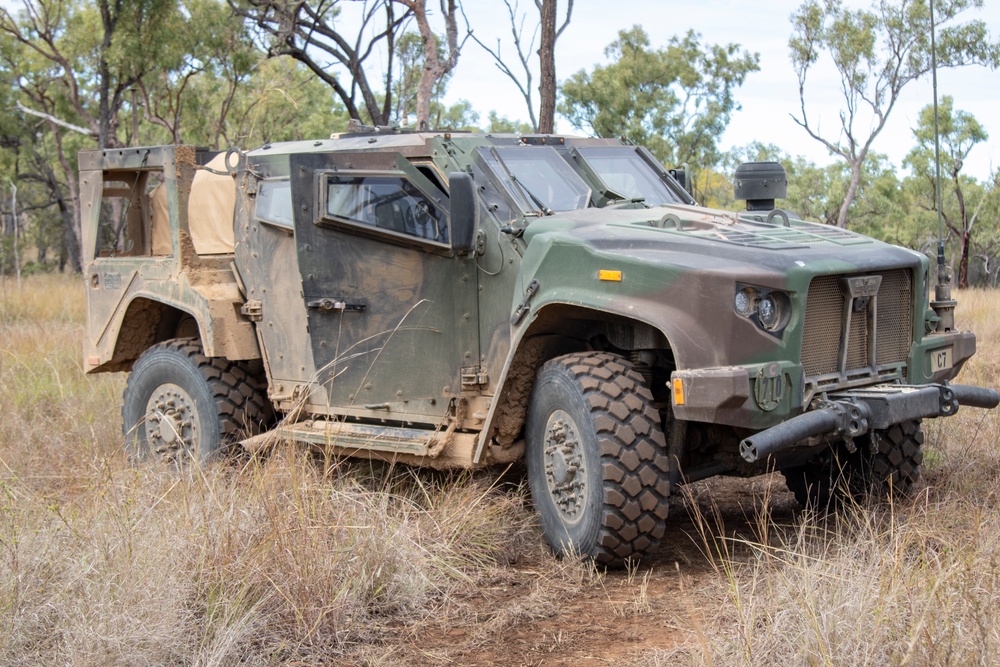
x=613, y=276
x=678, y=391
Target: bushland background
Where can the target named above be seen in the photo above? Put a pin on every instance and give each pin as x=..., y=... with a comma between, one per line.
x=837, y=90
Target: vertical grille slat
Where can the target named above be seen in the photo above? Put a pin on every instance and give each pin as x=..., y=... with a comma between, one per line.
x=858, y=342
x=824, y=326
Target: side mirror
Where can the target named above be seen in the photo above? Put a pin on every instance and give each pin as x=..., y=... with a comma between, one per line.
x=464, y=211
x=680, y=174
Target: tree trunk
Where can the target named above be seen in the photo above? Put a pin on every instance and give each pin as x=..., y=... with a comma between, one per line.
x=547, y=65
x=852, y=192
x=963, y=261
x=68, y=211
x=963, y=218
x=434, y=68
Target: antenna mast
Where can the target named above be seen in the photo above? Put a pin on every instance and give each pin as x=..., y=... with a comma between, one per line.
x=943, y=305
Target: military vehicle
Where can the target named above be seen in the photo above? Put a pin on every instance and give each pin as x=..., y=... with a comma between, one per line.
x=462, y=300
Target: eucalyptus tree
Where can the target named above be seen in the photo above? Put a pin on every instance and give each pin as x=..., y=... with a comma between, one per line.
x=959, y=133
x=676, y=100
x=877, y=52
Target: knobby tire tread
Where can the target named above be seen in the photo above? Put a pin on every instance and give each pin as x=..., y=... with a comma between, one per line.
x=889, y=466
x=633, y=455
x=239, y=389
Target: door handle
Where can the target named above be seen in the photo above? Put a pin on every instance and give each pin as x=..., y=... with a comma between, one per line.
x=336, y=304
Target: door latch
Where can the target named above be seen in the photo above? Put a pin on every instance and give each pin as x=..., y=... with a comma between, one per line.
x=331, y=305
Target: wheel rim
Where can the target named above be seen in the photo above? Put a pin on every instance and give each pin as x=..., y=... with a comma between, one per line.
x=565, y=466
x=171, y=423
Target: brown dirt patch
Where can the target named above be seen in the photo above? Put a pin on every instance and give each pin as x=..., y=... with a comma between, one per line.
x=540, y=611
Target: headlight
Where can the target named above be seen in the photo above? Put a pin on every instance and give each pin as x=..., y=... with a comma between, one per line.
x=769, y=309
x=745, y=301
x=769, y=312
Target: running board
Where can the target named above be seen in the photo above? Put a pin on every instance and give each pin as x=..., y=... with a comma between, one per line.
x=353, y=437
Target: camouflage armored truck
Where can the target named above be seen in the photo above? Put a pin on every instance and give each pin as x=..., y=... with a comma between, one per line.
x=460, y=300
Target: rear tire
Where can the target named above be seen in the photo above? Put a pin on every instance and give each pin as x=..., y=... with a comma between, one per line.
x=596, y=459
x=889, y=465
x=181, y=406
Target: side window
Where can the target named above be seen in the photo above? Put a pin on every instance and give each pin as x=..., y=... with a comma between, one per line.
x=387, y=202
x=274, y=203
x=133, y=215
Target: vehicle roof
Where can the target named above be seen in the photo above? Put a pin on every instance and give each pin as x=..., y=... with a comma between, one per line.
x=413, y=142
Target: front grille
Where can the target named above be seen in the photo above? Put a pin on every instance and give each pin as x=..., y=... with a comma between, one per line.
x=834, y=354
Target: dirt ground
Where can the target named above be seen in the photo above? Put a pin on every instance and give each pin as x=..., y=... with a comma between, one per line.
x=531, y=616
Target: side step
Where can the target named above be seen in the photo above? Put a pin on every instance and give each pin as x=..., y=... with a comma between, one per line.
x=351, y=438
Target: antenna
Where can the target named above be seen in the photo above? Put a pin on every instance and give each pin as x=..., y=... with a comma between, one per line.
x=943, y=305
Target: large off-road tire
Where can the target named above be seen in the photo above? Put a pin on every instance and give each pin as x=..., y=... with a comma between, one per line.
x=181, y=406
x=596, y=458
x=888, y=465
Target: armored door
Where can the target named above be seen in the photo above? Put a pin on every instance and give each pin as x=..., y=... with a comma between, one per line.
x=392, y=308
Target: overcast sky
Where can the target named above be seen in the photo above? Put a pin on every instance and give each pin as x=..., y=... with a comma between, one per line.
x=766, y=97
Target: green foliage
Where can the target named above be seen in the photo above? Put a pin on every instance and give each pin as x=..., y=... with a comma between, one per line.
x=280, y=101
x=959, y=133
x=410, y=63
x=962, y=198
x=879, y=50
x=503, y=125
x=142, y=72
x=459, y=116
x=815, y=192
x=675, y=100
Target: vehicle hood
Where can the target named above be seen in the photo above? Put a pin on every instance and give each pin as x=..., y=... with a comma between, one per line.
x=714, y=235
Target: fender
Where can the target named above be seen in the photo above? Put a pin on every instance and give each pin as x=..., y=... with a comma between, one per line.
x=534, y=340
x=214, y=306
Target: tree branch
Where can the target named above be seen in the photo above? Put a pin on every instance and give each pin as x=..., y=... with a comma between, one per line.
x=53, y=119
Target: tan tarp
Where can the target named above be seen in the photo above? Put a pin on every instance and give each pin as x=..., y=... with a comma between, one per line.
x=161, y=220
x=210, y=212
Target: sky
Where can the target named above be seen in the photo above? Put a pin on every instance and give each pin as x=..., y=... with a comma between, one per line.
x=767, y=96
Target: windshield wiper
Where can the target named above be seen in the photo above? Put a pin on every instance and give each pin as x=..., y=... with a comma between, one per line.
x=541, y=207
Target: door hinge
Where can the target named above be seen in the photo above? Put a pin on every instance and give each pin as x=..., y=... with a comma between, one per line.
x=253, y=310
x=474, y=377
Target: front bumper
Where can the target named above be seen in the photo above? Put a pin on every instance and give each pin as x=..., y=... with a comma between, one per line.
x=853, y=413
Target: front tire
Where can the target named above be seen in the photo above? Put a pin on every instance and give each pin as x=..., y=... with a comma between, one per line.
x=889, y=465
x=596, y=458
x=181, y=406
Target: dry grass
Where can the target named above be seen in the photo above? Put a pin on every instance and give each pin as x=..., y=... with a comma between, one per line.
x=280, y=561
x=266, y=562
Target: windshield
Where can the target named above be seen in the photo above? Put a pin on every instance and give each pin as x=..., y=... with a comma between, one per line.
x=538, y=177
x=625, y=172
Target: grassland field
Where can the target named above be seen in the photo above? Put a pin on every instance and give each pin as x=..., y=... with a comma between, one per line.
x=292, y=559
